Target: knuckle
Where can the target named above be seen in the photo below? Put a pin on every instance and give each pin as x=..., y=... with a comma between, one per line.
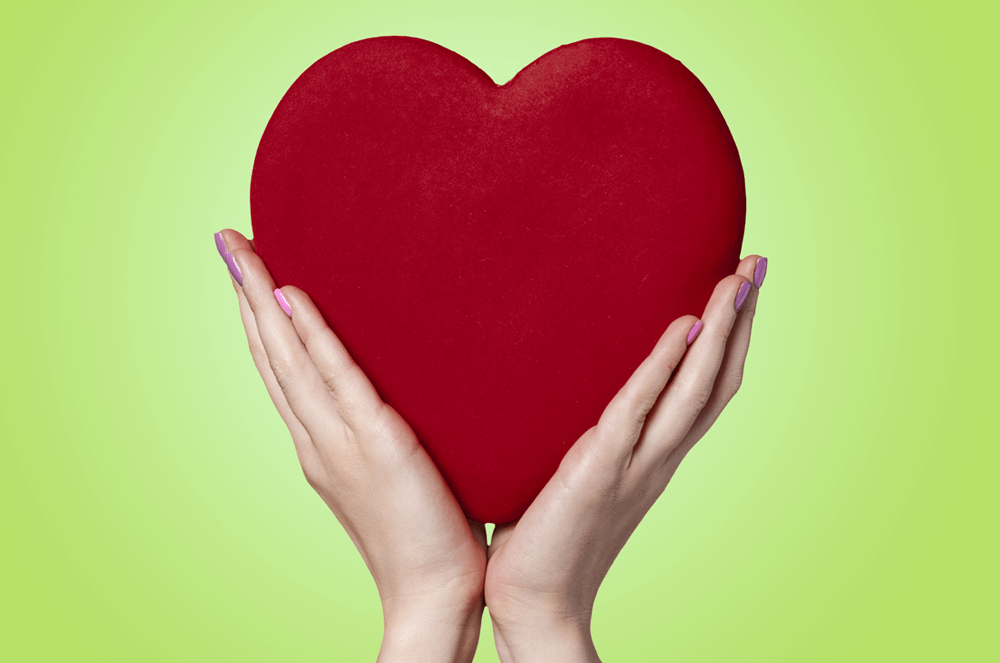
x=599, y=438
x=400, y=448
x=727, y=331
x=314, y=334
x=602, y=454
x=699, y=397
x=735, y=383
x=286, y=368
x=257, y=354
x=617, y=431
x=310, y=474
x=348, y=370
x=673, y=362
x=281, y=376
x=640, y=407
x=315, y=477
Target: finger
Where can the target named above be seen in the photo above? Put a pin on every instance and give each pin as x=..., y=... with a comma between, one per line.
x=622, y=420
x=295, y=427
x=355, y=397
x=304, y=448
x=731, y=372
x=290, y=363
x=300, y=438
x=478, y=533
x=233, y=239
x=501, y=533
x=227, y=241
x=691, y=387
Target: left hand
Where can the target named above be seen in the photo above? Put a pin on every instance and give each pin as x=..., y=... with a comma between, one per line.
x=545, y=569
x=364, y=460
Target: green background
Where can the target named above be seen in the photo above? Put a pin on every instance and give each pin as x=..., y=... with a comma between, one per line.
x=843, y=508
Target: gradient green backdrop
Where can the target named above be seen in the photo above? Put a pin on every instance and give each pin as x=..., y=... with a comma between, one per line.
x=843, y=509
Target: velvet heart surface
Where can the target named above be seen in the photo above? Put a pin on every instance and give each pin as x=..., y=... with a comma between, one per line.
x=498, y=259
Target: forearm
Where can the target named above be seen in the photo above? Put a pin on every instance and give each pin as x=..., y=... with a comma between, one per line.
x=425, y=634
x=543, y=641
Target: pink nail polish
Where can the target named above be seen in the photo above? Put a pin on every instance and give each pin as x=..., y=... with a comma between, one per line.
x=220, y=245
x=695, y=330
x=759, y=272
x=741, y=296
x=234, y=269
x=282, y=302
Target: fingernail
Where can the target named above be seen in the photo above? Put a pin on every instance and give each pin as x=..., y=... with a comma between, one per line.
x=759, y=272
x=693, y=334
x=219, y=244
x=741, y=296
x=282, y=302
x=234, y=269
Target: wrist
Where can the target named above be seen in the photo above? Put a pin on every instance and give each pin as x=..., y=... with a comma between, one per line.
x=429, y=633
x=540, y=639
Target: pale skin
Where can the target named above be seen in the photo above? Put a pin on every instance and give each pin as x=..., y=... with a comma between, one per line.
x=432, y=566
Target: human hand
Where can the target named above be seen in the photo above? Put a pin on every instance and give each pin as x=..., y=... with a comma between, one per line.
x=427, y=559
x=544, y=569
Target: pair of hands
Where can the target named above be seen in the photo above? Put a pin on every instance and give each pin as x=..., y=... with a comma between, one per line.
x=433, y=567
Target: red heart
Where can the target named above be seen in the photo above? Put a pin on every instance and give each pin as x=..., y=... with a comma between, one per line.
x=498, y=259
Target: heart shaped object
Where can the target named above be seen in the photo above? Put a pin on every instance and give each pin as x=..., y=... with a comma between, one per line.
x=498, y=259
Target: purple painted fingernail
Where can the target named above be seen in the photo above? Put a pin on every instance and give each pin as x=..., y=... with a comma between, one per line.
x=741, y=296
x=759, y=272
x=282, y=302
x=234, y=269
x=693, y=334
x=219, y=244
